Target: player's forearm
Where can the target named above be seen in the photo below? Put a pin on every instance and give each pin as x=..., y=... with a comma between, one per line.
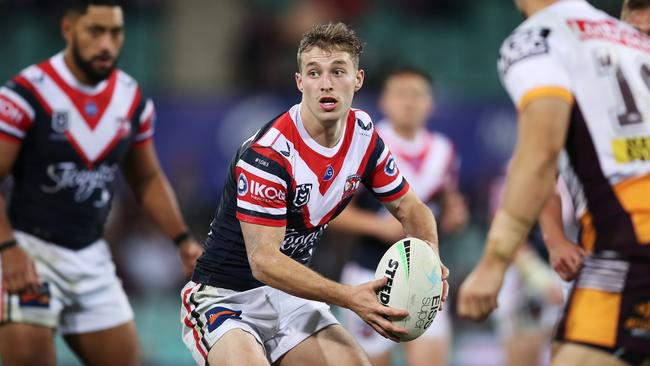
x=6, y=232
x=550, y=221
x=418, y=222
x=275, y=269
x=159, y=202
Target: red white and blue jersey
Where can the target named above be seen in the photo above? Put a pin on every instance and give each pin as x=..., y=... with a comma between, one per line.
x=72, y=138
x=429, y=162
x=281, y=177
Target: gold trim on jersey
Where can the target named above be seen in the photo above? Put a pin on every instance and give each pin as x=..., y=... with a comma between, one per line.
x=593, y=317
x=588, y=233
x=545, y=91
x=634, y=196
x=631, y=149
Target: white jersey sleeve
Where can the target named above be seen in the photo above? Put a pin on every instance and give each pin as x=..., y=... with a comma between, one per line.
x=531, y=63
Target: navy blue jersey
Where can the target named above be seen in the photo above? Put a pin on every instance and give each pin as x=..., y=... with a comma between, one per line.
x=281, y=177
x=72, y=138
x=430, y=164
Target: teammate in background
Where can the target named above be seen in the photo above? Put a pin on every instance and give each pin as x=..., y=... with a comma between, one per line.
x=66, y=127
x=551, y=66
x=253, y=299
x=429, y=162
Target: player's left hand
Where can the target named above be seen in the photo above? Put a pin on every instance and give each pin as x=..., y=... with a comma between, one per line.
x=189, y=251
x=477, y=296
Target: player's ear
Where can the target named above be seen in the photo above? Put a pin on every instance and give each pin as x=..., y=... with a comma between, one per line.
x=299, y=81
x=67, y=25
x=359, y=79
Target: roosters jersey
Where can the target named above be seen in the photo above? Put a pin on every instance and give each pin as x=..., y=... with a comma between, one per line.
x=429, y=163
x=602, y=66
x=282, y=177
x=72, y=139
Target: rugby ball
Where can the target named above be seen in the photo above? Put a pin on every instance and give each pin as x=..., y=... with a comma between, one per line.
x=414, y=283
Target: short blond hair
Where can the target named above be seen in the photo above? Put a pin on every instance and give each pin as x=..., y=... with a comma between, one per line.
x=332, y=37
x=632, y=5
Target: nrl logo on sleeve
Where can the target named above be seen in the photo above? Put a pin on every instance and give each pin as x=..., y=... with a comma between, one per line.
x=303, y=192
x=60, y=121
x=522, y=45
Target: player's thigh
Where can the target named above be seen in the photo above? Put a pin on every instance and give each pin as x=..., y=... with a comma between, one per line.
x=426, y=351
x=524, y=348
x=383, y=359
x=570, y=354
x=26, y=344
x=113, y=346
x=237, y=347
x=331, y=346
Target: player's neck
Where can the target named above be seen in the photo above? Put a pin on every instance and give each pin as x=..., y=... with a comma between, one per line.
x=534, y=6
x=76, y=71
x=325, y=133
x=405, y=132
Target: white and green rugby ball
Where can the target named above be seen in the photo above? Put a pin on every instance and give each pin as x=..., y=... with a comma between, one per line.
x=414, y=283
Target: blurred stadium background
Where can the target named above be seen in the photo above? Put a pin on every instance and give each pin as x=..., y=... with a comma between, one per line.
x=218, y=69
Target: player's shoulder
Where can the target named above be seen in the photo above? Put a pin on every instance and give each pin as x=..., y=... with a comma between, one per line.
x=363, y=121
x=126, y=80
x=441, y=138
x=269, y=147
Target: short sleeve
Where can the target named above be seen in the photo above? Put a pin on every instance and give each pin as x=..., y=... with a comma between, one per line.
x=16, y=113
x=262, y=188
x=386, y=181
x=146, y=121
x=530, y=65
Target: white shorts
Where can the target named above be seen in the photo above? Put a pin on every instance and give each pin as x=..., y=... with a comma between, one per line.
x=277, y=320
x=79, y=292
x=372, y=342
x=522, y=310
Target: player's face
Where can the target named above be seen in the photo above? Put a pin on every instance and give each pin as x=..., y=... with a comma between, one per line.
x=328, y=81
x=95, y=40
x=640, y=19
x=407, y=101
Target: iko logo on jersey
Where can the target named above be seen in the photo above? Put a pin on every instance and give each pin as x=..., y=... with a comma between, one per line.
x=303, y=192
x=85, y=182
x=391, y=167
x=217, y=315
x=10, y=112
x=258, y=190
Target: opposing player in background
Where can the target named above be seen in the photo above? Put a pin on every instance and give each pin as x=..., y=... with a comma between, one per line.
x=253, y=299
x=581, y=81
x=428, y=161
x=67, y=125
x=568, y=202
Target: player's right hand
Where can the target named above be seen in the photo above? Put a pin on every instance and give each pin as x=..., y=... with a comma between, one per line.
x=566, y=259
x=363, y=301
x=18, y=271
